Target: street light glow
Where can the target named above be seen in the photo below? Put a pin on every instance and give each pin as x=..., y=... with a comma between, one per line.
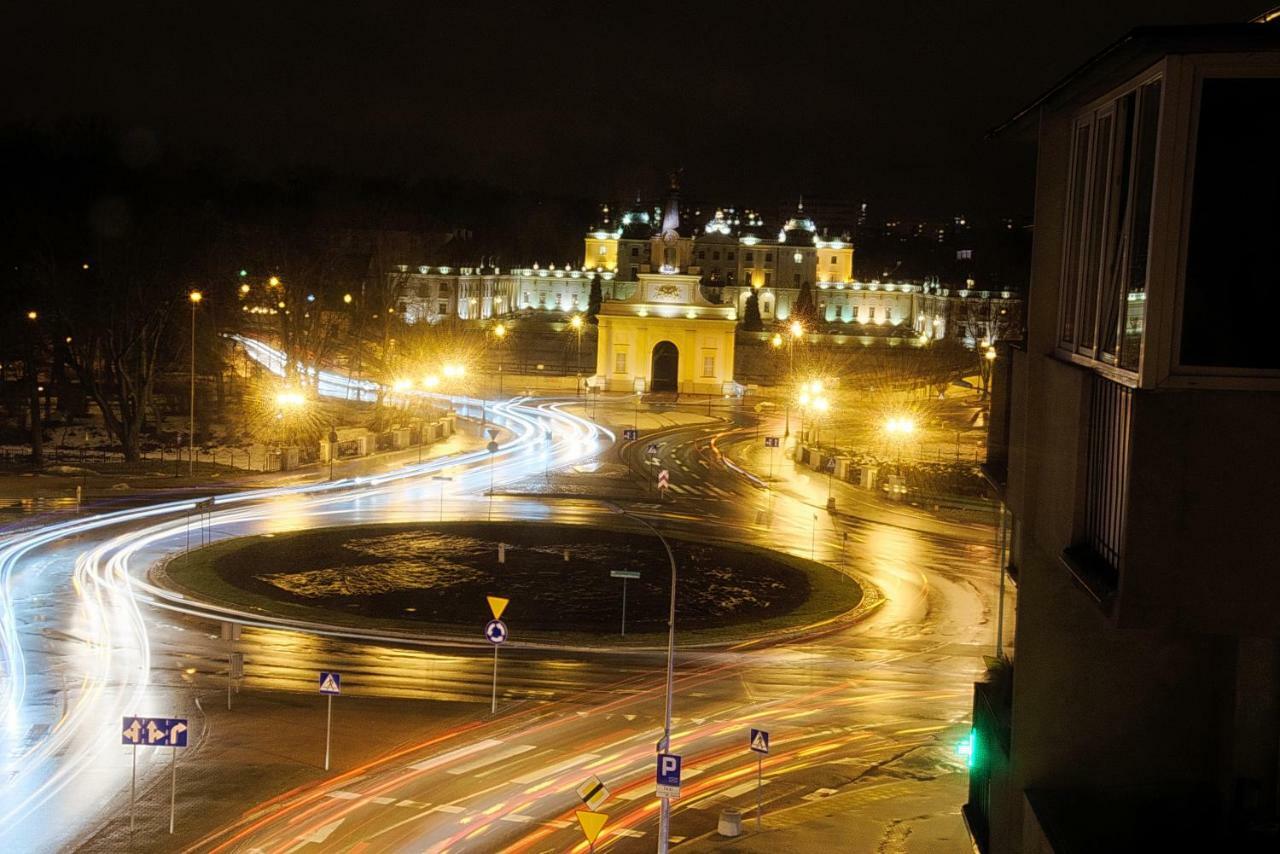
x=430, y=381
x=454, y=371
x=776, y=340
x=797, y=329
x=290, y=399
x=273, y=281
x=346, y=298
x=402, y=385
x=195, y=296
x=32, y=315
x=500, y=331
x=576, y=321
x=904, y=426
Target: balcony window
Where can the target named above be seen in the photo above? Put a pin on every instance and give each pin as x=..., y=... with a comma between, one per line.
x=1235, y=220
x=1108, y=226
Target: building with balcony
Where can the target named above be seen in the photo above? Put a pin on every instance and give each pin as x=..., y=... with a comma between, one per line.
x=1134, y=448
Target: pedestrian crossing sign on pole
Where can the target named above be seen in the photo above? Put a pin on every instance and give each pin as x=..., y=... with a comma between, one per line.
x=593, y=793
x=330, y=682
x=759, y=741
x=497, y=605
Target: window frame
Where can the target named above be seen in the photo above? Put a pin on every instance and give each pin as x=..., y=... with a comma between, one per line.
x=1190, y=71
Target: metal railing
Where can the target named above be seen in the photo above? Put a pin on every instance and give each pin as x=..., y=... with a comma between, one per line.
x=1107, y=470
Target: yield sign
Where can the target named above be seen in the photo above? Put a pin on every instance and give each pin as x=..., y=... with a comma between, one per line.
x=592, y=823
x=497, y=605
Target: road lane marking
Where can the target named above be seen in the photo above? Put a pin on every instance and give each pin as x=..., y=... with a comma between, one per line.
x=342, y=796
x=445, y=758
x=542, y=773
x=516, y=818
x=490, y=758
x=452, y=809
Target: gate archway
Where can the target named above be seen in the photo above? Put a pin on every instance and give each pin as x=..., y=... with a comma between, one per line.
x=664, y=372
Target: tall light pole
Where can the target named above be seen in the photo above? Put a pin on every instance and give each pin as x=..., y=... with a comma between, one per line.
x=664, y=817
x=500, y=332
x=576, y=323
x=194, y=298
x=797, y=331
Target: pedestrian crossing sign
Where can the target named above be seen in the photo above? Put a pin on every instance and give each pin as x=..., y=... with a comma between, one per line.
x=330, y=682
x=759, y=741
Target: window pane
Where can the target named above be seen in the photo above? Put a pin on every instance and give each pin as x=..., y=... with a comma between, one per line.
x=1075, y=218
x=1099, y=181
x=1134, y=312
x=1233, y=254
x=1115, y=257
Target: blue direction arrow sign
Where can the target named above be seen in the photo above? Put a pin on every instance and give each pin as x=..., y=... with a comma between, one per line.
x=154, y=732
x=668, y=781
x=496, y=632
x=330, y=682
x=760, y=741
x=630, y=434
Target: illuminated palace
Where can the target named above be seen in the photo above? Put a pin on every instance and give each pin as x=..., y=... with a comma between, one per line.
x=674, y=293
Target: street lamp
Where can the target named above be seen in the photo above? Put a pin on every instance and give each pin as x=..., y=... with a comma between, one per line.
x=576, y=323
x=797, y=331
x=500, y=332
x=664, y=817
x=194, y=298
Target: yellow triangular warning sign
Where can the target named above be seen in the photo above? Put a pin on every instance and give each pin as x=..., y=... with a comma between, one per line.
x=497, y=605
x=592, y=823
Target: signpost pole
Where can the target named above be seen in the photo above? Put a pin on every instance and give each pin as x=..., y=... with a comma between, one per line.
x=759, y=786
x=133, y=787
x=328, y=726
x=493, y=706
x=173, y=785
x=624, y=607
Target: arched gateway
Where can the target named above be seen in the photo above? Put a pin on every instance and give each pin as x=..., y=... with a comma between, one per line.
x=665, y=368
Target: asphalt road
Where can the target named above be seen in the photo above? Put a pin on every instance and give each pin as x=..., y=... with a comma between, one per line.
x=847, y=705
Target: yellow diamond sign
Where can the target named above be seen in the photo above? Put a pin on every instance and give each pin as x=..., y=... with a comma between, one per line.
x=497, y=605
x=592, y=823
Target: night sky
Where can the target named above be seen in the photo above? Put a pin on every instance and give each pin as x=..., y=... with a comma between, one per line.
x=757, y=103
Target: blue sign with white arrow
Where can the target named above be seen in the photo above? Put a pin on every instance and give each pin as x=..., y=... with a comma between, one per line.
x=668, y=775
x=154, y=732
x=496, y=632
x=330, y=683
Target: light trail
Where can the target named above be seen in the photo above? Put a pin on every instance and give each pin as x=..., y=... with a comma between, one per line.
x=109, y=635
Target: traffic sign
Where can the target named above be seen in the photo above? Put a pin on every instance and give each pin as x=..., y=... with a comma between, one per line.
x=330, y=683
x=154, y=732
x=493, y=432
x=497, y=605
x=623, y=573
x=652, y=450
x=760, y=741
x=496, y=632
x=630, y=434
x=668, y=781
x=664, y=479
x=593, y=793
x=772, y=442
x=592, y=823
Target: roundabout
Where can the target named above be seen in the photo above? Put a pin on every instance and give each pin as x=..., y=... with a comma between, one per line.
x=565, y=582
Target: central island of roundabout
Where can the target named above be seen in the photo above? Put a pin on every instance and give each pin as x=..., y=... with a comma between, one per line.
x=564, y=582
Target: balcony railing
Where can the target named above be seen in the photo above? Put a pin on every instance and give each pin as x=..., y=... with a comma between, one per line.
x=1097, y=558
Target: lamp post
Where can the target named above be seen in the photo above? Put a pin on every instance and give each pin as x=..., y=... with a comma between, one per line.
x=576, y=323
x=664, y=817
x=194, y=298
x=500, y=332
x=797, y=331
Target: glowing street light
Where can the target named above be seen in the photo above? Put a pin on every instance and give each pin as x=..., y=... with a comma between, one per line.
x=346, y=298
x=194, y=297
x=500, y=332
x=290, y=399
x=33, y=315
x=776, y=341
x=430, y=381
x=576, y=323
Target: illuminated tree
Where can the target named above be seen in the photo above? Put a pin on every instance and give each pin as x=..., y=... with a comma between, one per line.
x=751, y=320
x=595, y=299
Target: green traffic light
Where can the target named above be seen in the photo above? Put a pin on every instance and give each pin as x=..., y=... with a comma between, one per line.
x=244, y=273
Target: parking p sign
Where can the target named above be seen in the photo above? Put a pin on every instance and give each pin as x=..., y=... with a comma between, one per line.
x=668, y=775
